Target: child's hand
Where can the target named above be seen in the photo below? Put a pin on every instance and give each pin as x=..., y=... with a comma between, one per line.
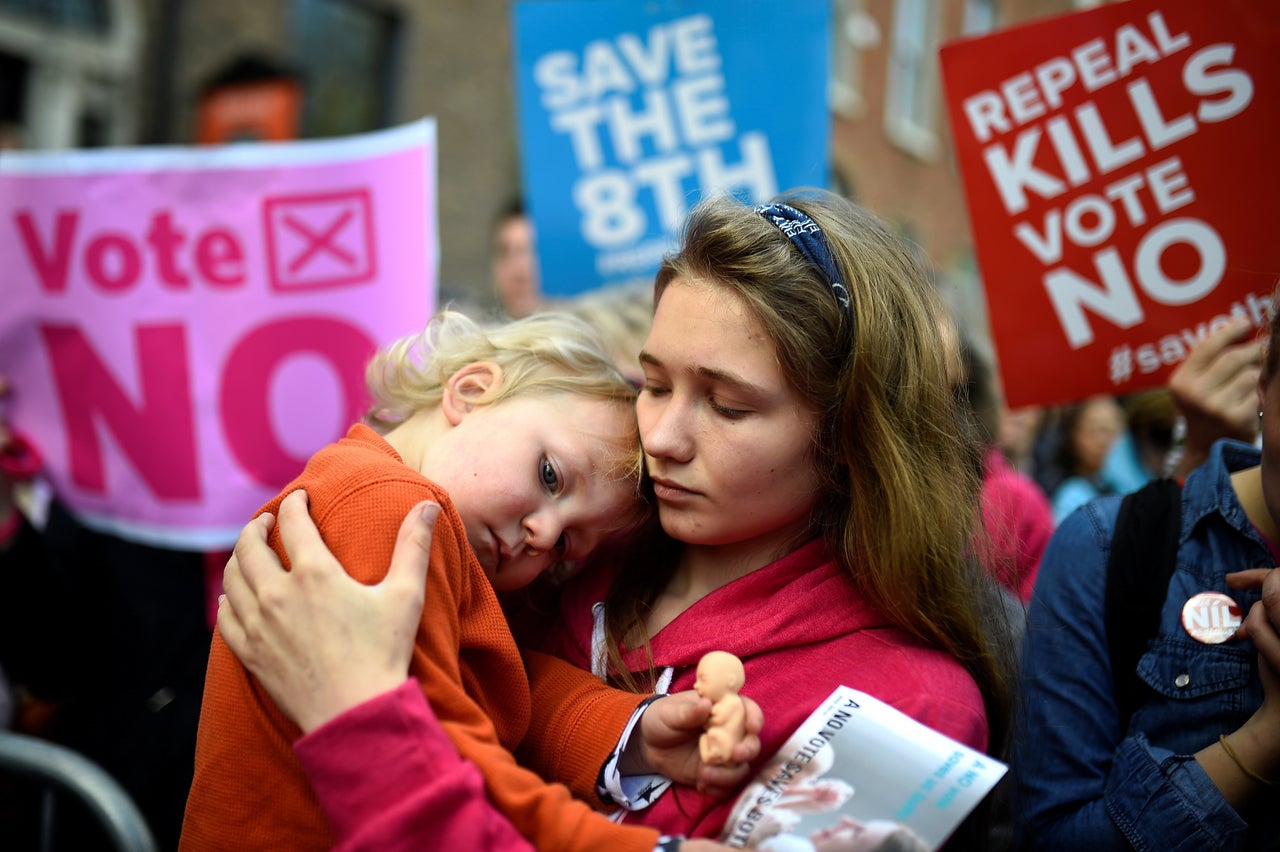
x=670, y=729
x=319, y=641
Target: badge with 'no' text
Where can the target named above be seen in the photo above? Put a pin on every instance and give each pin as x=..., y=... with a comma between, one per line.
x=1210, y=617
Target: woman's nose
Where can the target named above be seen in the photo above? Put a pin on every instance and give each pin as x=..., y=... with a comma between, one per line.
x=666, y=432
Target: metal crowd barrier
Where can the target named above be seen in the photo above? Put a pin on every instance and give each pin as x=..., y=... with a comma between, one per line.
x=60, y=771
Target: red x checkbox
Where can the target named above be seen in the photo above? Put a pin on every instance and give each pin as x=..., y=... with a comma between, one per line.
x=319, y=240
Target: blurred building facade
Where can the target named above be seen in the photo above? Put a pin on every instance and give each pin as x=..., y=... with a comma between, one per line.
x=125, y=72
x=891, y=147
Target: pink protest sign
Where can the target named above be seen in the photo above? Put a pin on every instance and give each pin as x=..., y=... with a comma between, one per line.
x=182, y=328
x=1120, y=174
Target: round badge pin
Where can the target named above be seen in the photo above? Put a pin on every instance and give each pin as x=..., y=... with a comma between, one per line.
x=1211, y=617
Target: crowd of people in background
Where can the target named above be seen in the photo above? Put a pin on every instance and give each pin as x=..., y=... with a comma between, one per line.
x=905, y=507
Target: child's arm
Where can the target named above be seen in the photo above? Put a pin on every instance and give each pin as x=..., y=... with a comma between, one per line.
x=313, y=670
x=383, y=769
x=461, y=619
x=578, y=721
x=337, y=643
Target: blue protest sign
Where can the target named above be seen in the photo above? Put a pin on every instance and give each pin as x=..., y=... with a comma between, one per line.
x=630, y=112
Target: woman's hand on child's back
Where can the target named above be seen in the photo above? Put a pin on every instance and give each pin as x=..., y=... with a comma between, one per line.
x=670, y=729
x=319, y=641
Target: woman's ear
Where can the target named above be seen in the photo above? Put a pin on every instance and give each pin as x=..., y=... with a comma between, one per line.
x=473, y=385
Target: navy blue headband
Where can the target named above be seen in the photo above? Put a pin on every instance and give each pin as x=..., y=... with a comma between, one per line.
x=805, y=235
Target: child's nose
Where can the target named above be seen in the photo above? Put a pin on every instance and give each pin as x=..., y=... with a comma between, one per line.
x=542, y=530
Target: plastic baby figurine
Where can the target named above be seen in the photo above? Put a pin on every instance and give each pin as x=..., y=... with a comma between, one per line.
x=720, y=677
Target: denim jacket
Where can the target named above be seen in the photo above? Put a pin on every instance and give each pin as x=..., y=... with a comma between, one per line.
x=1081, y=782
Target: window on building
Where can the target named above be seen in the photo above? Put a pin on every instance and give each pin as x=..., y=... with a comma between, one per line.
x=67, y=72
x=13, y=89
x=911, y=90
x=853, y=31
x=979, y=16
x=90, y=16
x=92, y=130
x=346, y=52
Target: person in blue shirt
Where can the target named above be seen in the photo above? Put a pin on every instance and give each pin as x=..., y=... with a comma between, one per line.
x=1198, y=764
x=1089, y=429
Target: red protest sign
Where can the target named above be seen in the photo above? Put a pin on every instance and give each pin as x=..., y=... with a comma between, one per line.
x=1120, y=172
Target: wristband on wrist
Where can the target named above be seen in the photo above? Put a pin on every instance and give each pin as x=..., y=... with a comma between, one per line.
x=1235, y=758
x=609, y=770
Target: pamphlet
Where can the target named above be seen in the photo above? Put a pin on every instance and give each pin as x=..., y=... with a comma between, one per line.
x=858, y=770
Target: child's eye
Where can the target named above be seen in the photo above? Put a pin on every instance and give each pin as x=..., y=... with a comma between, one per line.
x=550, y=478
x=653, y=390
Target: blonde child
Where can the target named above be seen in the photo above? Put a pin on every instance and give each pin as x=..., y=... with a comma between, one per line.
x=526, y=436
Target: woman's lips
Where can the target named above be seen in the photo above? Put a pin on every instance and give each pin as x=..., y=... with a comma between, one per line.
x=666, y=489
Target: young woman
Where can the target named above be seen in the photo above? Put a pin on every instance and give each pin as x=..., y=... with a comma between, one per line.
x=816, y=493
x=816, y=496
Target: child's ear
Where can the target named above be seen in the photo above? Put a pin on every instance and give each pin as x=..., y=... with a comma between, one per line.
x=472, y=385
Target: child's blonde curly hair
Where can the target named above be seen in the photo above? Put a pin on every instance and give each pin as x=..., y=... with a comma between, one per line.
x=547, y=352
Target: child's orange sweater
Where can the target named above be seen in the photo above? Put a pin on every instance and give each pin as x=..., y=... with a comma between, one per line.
x=249, y=790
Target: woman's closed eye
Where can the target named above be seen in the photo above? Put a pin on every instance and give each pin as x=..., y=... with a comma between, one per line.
x=725, y=411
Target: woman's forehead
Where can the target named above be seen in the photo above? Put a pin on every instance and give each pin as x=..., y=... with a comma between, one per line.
x=707, y=304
